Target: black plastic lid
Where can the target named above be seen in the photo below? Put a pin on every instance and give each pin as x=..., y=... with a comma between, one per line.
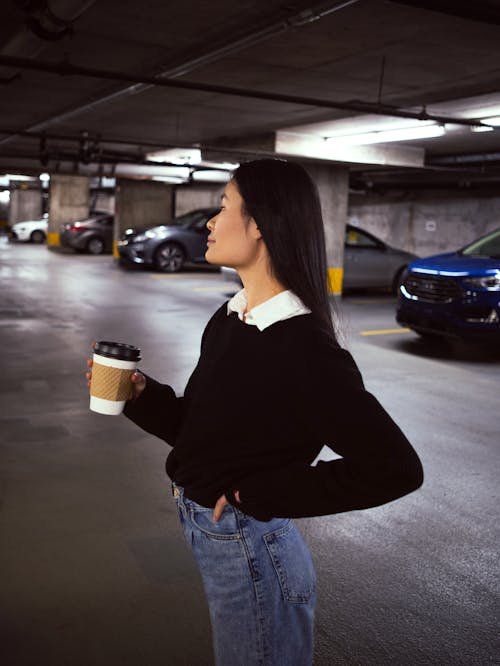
x=117, y=350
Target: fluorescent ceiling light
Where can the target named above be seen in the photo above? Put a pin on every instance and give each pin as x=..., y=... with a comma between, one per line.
x=174, y=180
x=480, y=128
x=152, y=171
x=493, y=120
x=421, y=131
x=15, y=176
x=230, y=166
x=181, y=156
x=44, y=177
x=211, y=176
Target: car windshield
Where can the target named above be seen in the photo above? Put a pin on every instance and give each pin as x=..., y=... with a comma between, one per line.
x=488, y=246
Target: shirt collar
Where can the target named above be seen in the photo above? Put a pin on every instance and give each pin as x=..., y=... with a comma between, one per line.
x=284, y=305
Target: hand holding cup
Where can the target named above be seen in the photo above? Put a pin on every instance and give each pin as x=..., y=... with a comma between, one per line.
x=112, y=377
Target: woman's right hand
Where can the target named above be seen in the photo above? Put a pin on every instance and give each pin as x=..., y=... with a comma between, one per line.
x=137, y=380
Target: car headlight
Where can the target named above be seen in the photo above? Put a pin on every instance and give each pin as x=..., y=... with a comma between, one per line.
x=146, y=235
x=489, y=282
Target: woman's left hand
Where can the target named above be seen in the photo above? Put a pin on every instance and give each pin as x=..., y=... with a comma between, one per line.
x=221, y=503
x=219, y=508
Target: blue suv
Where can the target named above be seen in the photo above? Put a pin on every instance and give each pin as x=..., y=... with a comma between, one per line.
x=455, y=294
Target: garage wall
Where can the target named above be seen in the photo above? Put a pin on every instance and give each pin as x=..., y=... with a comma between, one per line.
x=426, y=222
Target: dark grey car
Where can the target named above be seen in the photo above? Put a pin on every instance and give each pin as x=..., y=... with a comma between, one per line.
x=169, y=246
x=93, y=235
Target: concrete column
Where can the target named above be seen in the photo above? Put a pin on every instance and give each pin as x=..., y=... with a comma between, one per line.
x=141, y=204
x=68, y=202
x=197, y=196
x=25, y=204
x=333, y=186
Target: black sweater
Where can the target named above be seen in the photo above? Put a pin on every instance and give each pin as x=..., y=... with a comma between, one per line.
x=257, y=410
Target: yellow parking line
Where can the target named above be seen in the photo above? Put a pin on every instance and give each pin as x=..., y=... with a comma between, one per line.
x=386, y=331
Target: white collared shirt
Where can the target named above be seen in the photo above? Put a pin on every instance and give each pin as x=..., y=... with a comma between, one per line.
x=284, y=305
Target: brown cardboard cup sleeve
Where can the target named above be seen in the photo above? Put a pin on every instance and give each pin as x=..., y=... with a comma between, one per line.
x=110, y=383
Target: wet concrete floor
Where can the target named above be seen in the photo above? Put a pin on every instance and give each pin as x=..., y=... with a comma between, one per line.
x=93, y=567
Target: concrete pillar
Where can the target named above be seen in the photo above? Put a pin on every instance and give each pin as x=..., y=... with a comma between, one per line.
x=68, y=202
x=25, y=204
x=141, y=204
x=333, y=186
x=197, y=196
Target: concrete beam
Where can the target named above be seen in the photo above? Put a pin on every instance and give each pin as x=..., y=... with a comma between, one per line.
x=313, y=147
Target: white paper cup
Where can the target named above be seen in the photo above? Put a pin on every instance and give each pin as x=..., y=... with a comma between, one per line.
x=110, y=386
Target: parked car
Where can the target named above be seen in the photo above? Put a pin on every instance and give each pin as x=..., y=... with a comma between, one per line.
x=368, y=262
x=33, y=231
x=169, y=246
x=93, y=235
x=455, y=294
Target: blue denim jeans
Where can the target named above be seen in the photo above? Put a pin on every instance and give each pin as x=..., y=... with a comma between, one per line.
x=260, y=584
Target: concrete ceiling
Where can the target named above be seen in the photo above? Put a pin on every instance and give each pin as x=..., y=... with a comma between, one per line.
x=226, y=76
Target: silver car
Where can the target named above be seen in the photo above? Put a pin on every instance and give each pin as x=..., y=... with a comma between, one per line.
x=368, y=262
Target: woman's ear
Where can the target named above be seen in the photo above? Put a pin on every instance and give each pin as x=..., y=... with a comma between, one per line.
x=254, y=230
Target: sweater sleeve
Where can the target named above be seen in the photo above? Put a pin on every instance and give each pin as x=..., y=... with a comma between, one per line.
x=157, y=410
x=378, y=463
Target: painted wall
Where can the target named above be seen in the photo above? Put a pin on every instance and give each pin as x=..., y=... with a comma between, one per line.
x=426, y=222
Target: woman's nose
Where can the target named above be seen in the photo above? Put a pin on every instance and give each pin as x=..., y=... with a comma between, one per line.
x=211, y=223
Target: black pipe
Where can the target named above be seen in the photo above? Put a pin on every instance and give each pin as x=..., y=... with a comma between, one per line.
x=67, y=69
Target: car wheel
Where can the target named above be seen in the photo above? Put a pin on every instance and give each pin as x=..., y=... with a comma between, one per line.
x=95, y=245
x=37, y=236
x=169, y=258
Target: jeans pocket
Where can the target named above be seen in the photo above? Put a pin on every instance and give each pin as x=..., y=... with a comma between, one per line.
x=292, y=563
x=226, y=528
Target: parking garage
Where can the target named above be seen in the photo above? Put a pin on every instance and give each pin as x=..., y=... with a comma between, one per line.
x=138, y=116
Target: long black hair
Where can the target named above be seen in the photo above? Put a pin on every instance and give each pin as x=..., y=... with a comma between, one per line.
x=283, y=200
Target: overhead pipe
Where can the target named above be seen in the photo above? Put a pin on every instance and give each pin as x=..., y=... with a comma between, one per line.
x=297, y=20
x=67, y=69
x=48, y=22
x=471, y=158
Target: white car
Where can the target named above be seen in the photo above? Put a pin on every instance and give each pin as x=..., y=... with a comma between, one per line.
x=34, y=231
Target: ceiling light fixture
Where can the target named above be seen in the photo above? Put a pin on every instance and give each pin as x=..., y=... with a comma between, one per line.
x=481, y=128
x=421, y=131
x=181, y=156
x=493, y=120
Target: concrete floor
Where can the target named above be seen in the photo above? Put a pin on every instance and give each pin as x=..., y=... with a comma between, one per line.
x=94, y=570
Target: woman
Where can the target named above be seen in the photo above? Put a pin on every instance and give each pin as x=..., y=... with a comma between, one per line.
x=271, y=387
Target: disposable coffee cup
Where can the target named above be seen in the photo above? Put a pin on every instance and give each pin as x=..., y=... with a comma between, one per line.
x=110, y=386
